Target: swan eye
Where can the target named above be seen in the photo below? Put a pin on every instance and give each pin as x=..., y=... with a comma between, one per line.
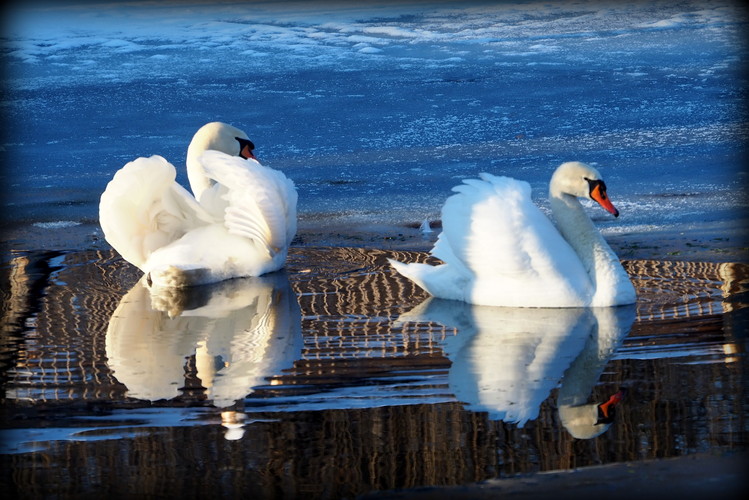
x=245, y=142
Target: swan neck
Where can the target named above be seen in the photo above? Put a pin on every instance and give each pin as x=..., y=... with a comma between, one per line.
x=196, y=176
x=599, y=260
x=574, y=223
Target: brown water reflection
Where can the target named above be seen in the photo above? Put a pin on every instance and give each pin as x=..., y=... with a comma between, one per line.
x=365, y=402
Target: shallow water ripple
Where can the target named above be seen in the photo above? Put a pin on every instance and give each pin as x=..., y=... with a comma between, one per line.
x=341, y=365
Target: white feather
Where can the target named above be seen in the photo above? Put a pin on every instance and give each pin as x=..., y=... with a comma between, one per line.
x=241, y=225
x=261, y=201
x=143, y=209
x=499, y=249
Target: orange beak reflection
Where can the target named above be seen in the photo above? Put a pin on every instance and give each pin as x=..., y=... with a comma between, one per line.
x=606, y=410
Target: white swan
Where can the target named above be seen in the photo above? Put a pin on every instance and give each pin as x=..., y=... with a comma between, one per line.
x=499, y=249
x=508, y=361
x=239, y=222
x=240, y=332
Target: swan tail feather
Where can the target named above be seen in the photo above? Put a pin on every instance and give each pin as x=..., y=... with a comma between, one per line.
x=441, y=281
x=175, y=277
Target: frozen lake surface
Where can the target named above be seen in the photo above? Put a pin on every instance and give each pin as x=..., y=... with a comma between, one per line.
x=377, y=110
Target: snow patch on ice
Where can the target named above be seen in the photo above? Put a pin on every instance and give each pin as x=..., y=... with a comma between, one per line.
x=60, y=224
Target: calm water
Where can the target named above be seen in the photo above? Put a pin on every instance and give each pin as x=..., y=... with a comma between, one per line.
x=338, y=377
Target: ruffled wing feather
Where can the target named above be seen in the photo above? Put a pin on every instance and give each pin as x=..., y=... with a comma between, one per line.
x=144, y=209
x=493, y=230
x=261, y=202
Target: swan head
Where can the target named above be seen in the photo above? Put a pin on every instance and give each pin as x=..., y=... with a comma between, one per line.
x=578, y=179
x=216, y=136
x=219, y=136
x=590, y=420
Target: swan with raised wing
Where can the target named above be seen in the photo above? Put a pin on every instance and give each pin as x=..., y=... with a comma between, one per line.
x=237, y=332
x=238, y=221
x=499, y=249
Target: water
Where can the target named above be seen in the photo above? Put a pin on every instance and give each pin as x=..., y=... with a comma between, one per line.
x=339, y=377
x=376, y=111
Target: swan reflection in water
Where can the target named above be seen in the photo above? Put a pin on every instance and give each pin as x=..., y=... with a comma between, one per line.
x=506, y=361
x=240, y=331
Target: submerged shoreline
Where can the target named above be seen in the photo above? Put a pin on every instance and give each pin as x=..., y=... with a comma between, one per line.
x=348, y=299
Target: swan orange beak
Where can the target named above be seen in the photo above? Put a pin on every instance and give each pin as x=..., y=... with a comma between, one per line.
x=245, y=148
x=606, y=410
x=247, y=153
x=598, y=194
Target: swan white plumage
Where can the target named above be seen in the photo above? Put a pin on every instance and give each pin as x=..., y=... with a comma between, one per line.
x=499, y=249
x=238, y=331
x=239, y=222
x=507, y=361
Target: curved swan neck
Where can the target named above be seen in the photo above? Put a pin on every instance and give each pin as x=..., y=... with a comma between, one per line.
x=574, y=223
x=199, y=182
x=599, y=260
x=216, y=136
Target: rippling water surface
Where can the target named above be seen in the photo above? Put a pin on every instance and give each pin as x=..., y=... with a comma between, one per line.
x=338, y=377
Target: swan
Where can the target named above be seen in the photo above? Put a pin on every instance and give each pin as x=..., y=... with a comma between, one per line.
x=499, y=249
x=507, y=361
x=238, y=221
x=239, y=332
